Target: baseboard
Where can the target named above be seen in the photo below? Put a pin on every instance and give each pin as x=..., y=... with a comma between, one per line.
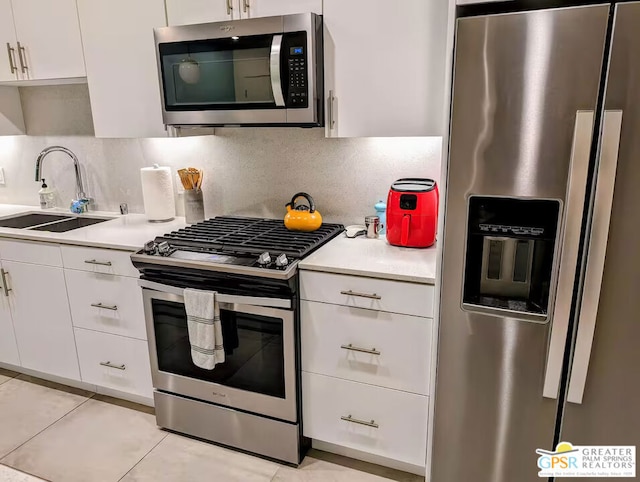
x=366, y=457
x=130, y=397
x=52, y=378
x=81, y=385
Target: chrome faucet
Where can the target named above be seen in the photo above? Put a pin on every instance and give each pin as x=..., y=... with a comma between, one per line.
x=80, y=194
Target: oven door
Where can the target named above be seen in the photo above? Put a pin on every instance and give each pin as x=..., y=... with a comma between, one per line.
x=258, y=374
x=252, y=72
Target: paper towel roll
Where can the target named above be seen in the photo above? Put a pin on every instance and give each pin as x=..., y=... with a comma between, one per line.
x=157, y=192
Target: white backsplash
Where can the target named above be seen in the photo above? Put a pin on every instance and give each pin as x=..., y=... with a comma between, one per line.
x=251, y=172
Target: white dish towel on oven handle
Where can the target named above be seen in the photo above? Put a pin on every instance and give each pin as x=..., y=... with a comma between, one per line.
x=205, y=329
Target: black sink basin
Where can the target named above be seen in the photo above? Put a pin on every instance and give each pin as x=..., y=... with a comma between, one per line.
x=70, y=224
x=28, y=220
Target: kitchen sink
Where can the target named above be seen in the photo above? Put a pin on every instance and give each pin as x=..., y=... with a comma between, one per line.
x=22, y=221
x=70, y=224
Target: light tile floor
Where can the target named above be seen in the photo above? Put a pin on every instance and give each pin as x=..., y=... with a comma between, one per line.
x=55, y=433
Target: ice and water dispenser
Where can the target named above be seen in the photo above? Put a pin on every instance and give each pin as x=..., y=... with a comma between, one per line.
x=510, y=255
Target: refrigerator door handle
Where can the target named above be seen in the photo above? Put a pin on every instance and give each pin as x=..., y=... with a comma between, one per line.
x=605, y=184
x=580, y=153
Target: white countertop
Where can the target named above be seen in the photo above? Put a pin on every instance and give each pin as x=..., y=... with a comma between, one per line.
x=128, y=232
x=374, y=258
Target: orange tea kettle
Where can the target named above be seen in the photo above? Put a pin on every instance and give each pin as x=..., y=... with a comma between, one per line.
x=301, y=217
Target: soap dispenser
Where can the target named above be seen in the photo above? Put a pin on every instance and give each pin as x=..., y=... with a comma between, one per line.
x=47, y=196
x=381, y=212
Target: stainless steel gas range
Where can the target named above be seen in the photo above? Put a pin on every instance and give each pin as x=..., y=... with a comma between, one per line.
x=252, y=400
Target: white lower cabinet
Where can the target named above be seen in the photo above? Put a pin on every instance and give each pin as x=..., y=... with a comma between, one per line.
x=366, y=366
x=115, y=362
x=385, y=349
x=380, y=421
x=8, y=346
x=42, y=319
x=107, y=303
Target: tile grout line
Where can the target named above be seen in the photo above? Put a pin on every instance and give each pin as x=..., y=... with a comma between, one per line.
x=47, y=427
x=144, y=456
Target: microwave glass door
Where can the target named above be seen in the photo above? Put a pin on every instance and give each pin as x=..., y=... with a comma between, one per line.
x=253, y=344
x=249, y=72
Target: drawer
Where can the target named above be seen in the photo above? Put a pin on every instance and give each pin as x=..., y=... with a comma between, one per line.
x=369, y=293
x=400, y=418
x=401, y=346
x=127, y=361
x=122, y=311
x=98, y=260
x=27, y=252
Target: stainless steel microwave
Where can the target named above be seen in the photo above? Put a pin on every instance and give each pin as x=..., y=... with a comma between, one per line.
x=254, y=72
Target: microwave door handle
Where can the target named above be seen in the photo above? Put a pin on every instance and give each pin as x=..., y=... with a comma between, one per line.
x=275, y=60
x=222, y=298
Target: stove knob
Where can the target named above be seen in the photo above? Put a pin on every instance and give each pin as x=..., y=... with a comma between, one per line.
x=264, y=259
x=164, y=249
x=150, y=248
x=282, y=261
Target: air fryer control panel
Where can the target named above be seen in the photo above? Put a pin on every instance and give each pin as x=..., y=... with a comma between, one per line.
x=295, y=51
x=408, y=202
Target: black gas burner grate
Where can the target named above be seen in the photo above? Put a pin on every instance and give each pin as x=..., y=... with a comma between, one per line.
x=240, y=235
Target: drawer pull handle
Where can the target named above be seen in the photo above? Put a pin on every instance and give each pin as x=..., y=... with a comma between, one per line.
x=372, y=423
x=4, y=282
x=361, y=295
x=373, y=351
x=111, y=365
x=101, y=263
x=106, y=307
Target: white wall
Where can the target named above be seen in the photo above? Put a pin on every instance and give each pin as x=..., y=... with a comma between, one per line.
x=248, y=171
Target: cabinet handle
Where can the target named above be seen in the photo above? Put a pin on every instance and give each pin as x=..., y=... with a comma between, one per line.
x=111, y=365
x=361, y=295
x=100, y=263
x=22, y=56
x=332, y=121
x=229, y=7
x=373, y=351
x=349, y=418
x=4, y=282
x=106, y=307
x=11, y=52
x=245, y=5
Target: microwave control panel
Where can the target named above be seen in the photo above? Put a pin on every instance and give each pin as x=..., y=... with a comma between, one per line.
x=295, y=49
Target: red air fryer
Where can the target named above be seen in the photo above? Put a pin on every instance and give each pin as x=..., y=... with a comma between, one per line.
x=412, y=213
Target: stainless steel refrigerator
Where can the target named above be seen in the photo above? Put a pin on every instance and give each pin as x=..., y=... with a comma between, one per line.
x=539, y=337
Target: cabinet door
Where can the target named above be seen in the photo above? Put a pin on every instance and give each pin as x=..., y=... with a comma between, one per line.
x=384, y=64
x=8, y=347
x=268, y=8
x=8, y=57
x=49, y=32
x=41, y=318
x=122, y=72
x=185, y=12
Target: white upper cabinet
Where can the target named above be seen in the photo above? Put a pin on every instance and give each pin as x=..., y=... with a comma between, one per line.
x=122, y=72
x=184, y=12
x=8, y=42
x=384, y=67
x=49, y=40
x=268, y=8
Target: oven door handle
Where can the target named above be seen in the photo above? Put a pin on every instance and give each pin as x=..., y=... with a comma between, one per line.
x=221, y=298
